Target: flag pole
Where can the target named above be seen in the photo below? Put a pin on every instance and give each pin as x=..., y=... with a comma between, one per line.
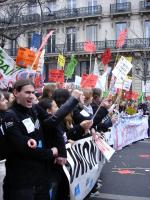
x=90, y=63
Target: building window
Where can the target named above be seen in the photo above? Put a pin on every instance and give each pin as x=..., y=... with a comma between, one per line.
x=13, y=47
x=147, y=29
x=14, y=9
x=51, y=6
x=120, y=6
x=91, y=33
x=120, y=27
x=71, y=38
x=92, y=6
x=71, y=4
x=84, y=67
x=32, y=7
x=120, y=1
x=51, y=44
x=30, y=35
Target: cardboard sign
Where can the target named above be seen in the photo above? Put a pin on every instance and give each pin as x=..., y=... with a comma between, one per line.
x=61, y=60
x=56, y=75
x=125, y=85
x=25, y=57
x=88, y=81
x=122, y=68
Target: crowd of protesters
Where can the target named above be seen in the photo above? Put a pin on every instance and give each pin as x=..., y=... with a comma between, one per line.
x=35, y=129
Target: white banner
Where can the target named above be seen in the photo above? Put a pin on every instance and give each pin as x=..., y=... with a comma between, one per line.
x=106, y=150
x=83, y=167
x=7, y=64
x=129, y=129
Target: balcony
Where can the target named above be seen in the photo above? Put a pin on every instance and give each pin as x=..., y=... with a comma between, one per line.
x=144, y=7
x=73, y=14
x=120, y=9
x=56, y=16
x=137, y=44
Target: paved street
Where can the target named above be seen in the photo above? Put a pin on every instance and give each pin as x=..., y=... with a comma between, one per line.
x=127, y=175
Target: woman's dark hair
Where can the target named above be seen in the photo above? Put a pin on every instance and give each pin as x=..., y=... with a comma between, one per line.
x=45, y=103
x=48, y=91
x=18, y=85
x=60, y=96
x=96, y=92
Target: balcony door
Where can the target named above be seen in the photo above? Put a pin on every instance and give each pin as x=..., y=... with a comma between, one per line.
x=147, y=33
x=71, y=38
x=119, y=5
x=13, y=47
x=32, y=7
x=51, y=44
x=121, y=1
x=147, y=29
x=120, y=27
x=91, y=33
x=51, y=7
x=92, y=6
x=71, y=4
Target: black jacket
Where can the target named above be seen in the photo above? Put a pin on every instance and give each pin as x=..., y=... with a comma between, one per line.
x=25, y=165
x=3, y=144
x=52, y=126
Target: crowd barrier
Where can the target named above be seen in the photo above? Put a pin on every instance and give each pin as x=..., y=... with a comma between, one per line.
x=85, y=160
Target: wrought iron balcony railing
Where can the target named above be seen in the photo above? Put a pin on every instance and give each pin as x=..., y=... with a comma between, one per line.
x=144, y=6
x=64, y=14
x=120, y=8
x=74, y=13
x=137, y=44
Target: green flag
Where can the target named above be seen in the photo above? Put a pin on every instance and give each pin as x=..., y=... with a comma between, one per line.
x=70, y=67
x=105, y=94
x=140, y=97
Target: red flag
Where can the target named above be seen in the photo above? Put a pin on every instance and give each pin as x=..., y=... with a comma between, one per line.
x=88, y=81
x=135, y=95
x=128, y=95
x=121, y=39
x=106, y=56
x=89, y=47
x=131, y=95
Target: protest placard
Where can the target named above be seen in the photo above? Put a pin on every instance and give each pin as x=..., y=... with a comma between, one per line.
x=122, y=68
x=61, y=60
x=56, y=75
x=25, y=58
